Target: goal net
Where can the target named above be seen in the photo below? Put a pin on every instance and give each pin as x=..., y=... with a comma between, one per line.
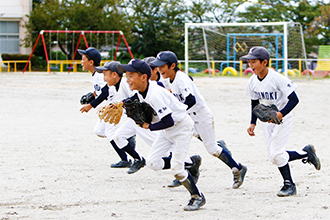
x=216, y=46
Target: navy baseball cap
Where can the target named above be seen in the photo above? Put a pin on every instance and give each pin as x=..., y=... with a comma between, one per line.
x=136, y=65
x=93, y=53
x=110, y=65
x=165, y=57
x=256, y=53
x=148, y=60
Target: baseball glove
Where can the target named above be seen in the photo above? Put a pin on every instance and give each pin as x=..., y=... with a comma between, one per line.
x=111, y=113
x=139, y=112
x=86, y=99
x=266, y=113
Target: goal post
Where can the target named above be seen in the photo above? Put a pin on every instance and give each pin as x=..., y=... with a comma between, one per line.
x=224, y=43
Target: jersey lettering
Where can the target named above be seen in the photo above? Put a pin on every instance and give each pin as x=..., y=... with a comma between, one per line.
x=179, y=96
x=267, y=95
x=162, y=110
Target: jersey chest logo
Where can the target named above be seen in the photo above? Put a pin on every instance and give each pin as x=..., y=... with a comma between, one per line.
x=267, y=95
x=97, y=87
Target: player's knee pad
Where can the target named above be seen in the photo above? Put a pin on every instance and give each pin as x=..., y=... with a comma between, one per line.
x=178, y=169
x=181, y=176
x=279, y=159
x=121, y=142
x=213, y=149
x=155, y=164
x=99, y=132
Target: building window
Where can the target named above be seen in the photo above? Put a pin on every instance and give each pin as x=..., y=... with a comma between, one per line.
x=9, y=37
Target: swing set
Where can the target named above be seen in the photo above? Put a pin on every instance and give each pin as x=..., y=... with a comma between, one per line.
x=53, y=64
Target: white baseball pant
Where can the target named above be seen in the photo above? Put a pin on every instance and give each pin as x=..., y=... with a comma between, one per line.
x=178, y=135
x=276, y=137
x=204, y=126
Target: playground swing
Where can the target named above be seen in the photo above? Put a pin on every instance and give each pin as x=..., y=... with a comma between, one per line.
x=68, y=66
x=67, y=51
x=73, y=63
x=52, y=67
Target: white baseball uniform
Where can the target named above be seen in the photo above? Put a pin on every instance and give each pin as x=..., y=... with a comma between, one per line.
x=98, y=84
x=274, y=89
x=166, y=82
x=115, y=94
x=179, y=135
x=200, y=113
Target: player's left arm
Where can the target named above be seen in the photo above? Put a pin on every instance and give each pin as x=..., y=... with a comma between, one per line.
x=293, y=101
x=166, y=122
x=190, y=101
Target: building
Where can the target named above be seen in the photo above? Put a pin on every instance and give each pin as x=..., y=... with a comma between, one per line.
x=12, y=18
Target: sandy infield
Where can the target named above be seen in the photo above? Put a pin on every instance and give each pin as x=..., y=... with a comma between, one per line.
x=52, y=166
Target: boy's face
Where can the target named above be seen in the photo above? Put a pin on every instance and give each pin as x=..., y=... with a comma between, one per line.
x=86, y=64
x=110, y=77
x=257, y=66
x=166, y=71
x=154, y=74
x=136, y=81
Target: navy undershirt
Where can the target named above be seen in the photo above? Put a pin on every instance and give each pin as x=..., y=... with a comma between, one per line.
x=190, y=101
x=103, y=96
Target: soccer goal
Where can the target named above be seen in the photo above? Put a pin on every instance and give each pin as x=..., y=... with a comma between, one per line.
x=218, y=46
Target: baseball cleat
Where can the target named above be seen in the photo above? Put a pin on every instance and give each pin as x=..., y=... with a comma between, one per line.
x=288, y=189
x=122, y=164
x=239, y=176
x=138, y=164
x=311, y=157
x=195, y=202
x=223, y=145
x=193, y=170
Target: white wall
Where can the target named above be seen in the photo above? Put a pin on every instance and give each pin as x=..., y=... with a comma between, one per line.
x=16, y=10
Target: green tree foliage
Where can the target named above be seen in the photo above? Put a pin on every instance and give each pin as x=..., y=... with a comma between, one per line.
x=318, y=28
x=157, y=25
x=151, y=26
x=308, y=13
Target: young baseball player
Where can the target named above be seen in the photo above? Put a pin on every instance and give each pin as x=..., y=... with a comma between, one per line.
x=115, y=89
x=91, y=58
x=155, y=75
x=130, y=128
x=184, y=89
x=268, y=87
x=175, y=127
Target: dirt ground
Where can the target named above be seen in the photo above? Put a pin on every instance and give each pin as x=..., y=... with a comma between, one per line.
x=52, y=166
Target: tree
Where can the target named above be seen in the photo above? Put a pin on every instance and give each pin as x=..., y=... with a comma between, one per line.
x=307, y=13
x=319, y=28
x=157, y=25
x=73, y=15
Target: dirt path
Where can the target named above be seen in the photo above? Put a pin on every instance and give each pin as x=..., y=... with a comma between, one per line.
x=52, y=166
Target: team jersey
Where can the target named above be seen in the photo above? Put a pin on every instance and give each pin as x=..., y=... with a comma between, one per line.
x=166, y=82
x=114, y=93
x=98, y=82
x=182, y=86
x=119, y=92
x=163, y=102
x=273, y=89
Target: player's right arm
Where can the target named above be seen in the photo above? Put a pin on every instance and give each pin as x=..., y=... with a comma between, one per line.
x=253, y=123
